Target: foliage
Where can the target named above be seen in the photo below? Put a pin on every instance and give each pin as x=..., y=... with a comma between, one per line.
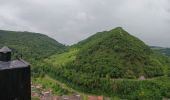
x=131, y=89
x=33, y=46
x=165, y=51
x=34, y=98
x=49, y=83
x=62, y=59
x=108, y=63
x=101, y=60
x=116, y=54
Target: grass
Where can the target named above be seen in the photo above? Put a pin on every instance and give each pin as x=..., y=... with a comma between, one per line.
x=71, y=90
x=62, y=59
x=49, y=83
x=34, y=98
x=57, y=87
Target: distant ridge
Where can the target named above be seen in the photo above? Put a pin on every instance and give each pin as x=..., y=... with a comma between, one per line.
x=33, y=46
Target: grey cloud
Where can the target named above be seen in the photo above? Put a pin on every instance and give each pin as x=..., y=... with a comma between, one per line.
x=69, y=21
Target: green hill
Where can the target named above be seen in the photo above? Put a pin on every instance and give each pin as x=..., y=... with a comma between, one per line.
x=110, y=63
x=117, y=54
x=34, y=47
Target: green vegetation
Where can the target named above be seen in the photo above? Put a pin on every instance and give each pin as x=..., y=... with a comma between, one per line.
x=62, y=59
x=117, y=54
x=34, y=98
x=48, y=83
x=165, y=51
x=34, y=47
x=108, y=63
x=131, y=89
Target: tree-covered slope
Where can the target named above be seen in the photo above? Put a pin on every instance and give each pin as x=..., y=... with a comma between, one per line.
x=104, y=63
x=117, y=54
x=33, y=46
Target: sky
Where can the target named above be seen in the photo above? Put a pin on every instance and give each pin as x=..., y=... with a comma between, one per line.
x=70, y=21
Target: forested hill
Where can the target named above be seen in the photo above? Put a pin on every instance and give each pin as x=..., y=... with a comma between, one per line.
x=112, y=63
x=33, y=46
x=117, y=54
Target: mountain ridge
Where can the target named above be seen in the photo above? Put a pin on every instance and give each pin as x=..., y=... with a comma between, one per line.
x=121, y=45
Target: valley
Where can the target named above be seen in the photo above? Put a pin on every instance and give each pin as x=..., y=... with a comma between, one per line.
x=111, y=64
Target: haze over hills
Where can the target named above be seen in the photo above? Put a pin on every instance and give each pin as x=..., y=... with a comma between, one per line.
x=163, y=50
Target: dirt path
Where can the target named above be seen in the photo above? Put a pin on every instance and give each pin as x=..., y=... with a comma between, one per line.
x=64, y=86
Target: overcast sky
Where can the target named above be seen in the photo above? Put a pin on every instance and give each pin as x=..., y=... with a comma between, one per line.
x=69, y=21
